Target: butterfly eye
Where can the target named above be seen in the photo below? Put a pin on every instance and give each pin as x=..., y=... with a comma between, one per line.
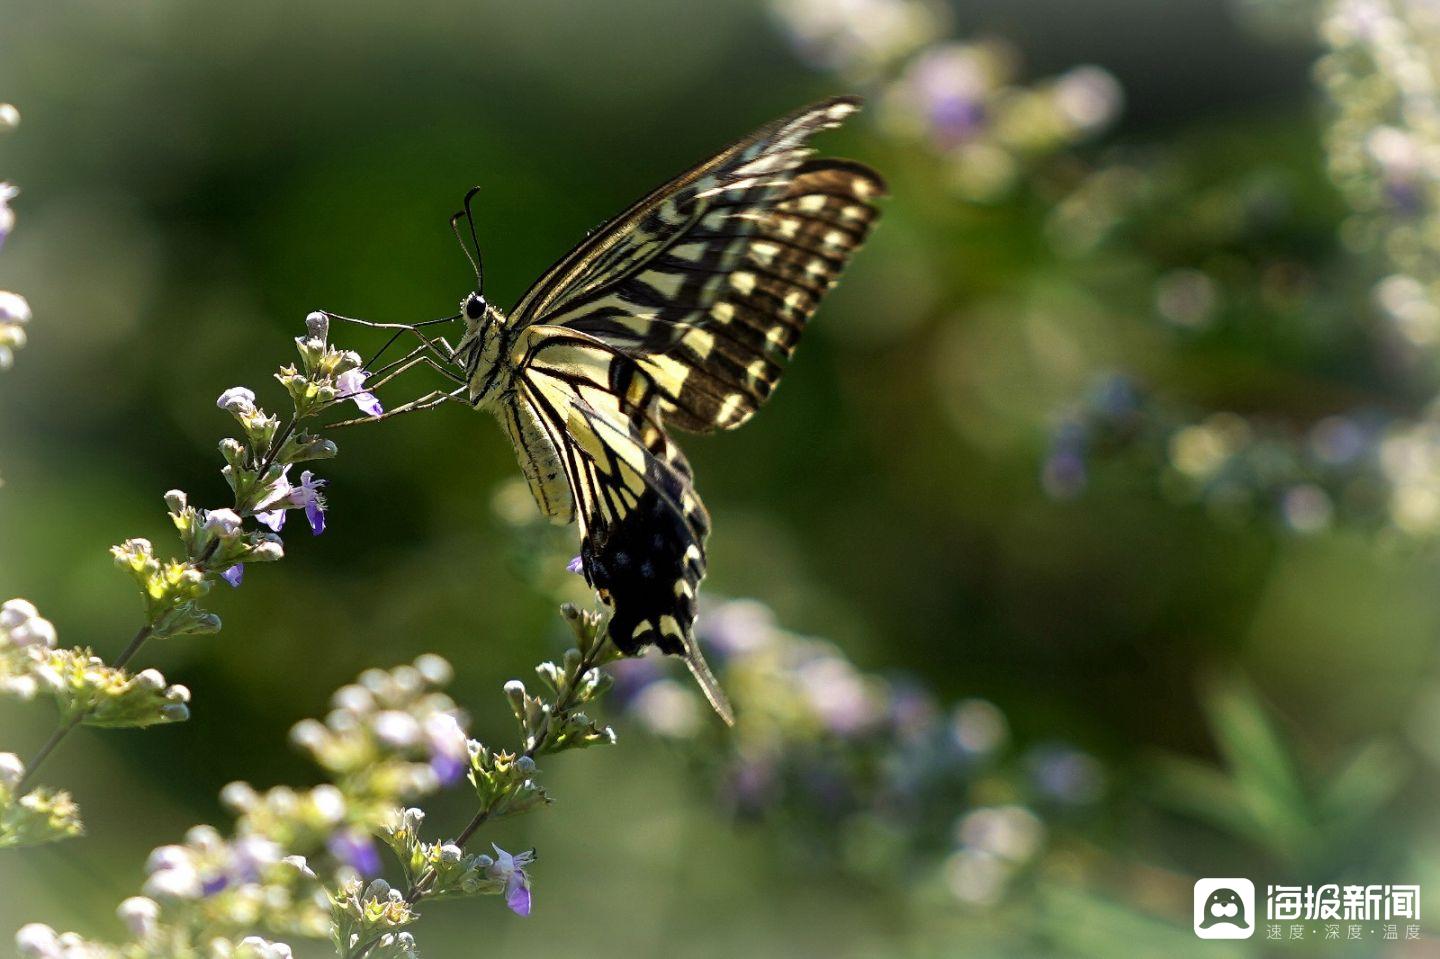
x=474, y=306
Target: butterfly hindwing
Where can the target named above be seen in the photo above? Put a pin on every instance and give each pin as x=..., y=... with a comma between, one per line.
x=642, y=526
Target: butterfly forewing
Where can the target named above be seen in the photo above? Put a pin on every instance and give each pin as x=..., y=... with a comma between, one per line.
x=709, y=281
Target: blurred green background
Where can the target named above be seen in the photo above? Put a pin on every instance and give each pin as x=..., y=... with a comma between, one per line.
x=198, y=176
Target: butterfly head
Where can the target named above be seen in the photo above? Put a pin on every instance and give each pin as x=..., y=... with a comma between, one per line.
x=475, y=310
x=480, y=348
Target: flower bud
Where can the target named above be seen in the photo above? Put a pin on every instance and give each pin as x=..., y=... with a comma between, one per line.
x=14, y=308
x=150, y=679
x=140, y=915
x=38, y=941
x=329, y=803
x=12, y=770
x=396, y=729
x=308, y=734
x=238, y=796
x=15, y=612
x=36, y=631
x=317, y=324
x=237, y=400
x=435, y=669
x=176, y=500
x=222, y=522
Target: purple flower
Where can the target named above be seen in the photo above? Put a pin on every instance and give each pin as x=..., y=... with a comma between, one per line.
x=356, y=850
x=307, y=495
x=351, y=385
x=576, y=565
x=951, y=85
x=511, y=870
x=273, y=518
x=234, y=574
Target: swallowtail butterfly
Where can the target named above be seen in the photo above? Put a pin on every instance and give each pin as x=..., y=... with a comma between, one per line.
x=682, y=312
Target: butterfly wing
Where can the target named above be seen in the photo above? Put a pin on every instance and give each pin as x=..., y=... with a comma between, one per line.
x=708, y=281
x=589, y=411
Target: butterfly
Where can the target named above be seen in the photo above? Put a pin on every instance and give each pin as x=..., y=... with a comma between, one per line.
x=680, y=312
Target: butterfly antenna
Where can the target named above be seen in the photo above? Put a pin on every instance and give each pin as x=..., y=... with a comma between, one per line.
x=709, y=685
x=474, y=238
x=455, y=229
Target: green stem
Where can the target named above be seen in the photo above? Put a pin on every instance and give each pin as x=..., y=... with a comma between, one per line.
x=64, y=728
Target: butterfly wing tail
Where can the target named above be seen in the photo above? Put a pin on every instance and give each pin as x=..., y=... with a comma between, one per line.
x=709, y=685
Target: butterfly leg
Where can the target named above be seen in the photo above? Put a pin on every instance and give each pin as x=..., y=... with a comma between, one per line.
x=408, y=362
x=445, y=356
x=426, y=402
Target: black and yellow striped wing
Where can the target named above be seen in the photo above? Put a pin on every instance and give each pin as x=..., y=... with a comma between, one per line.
x=709, y=281
x=583, y=417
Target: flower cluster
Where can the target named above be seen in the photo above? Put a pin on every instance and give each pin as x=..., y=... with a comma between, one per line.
x=29, y=818
x=217, y=544
x=258, y=464
x=869, y=772
x=14, y=308
x=86, y=691
x=306, y=862
x=962, y=99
